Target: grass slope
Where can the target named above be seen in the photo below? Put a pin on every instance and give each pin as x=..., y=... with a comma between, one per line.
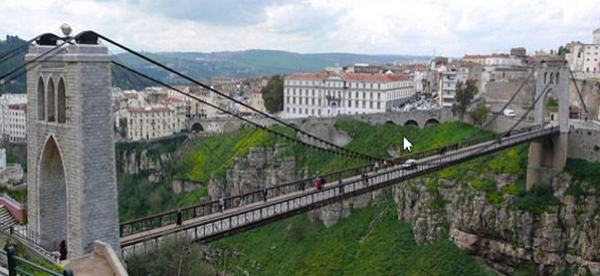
x=213, y=155
x=369, y=242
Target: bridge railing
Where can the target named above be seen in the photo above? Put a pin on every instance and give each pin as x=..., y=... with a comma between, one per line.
x=170, y=217
x=218, y=226
x=16, y=265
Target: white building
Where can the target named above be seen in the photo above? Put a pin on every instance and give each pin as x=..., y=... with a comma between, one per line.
x=447, y=86
x=330, y=94
x=2, y=160
x=17, y=123
x=150, y=122
x=585, y=58
x=5, y=101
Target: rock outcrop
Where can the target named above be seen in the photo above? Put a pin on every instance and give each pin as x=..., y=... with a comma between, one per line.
x=565, y=235
x=263, y=167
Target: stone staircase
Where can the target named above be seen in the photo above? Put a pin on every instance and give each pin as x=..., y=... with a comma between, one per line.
x=6, y=218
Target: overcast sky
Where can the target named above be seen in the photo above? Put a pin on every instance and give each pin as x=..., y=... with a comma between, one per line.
x=450, y=28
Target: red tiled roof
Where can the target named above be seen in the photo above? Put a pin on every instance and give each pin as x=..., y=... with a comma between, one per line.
x=307, y=76
x=131, y=95
x=374, y=77
x=18, y=107
x=350, y=76
x=148, y=109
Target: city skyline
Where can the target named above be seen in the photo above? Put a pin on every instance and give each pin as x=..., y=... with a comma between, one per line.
x=315, y=26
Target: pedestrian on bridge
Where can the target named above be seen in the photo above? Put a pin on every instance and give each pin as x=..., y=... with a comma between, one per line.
x=179, y=217
x=265, y=192
x=319, y=182
x=222, y=204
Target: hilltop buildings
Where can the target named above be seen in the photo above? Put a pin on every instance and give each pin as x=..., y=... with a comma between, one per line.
x=584, y=58
x=157, y=112
x=348, y=92
x=13, y=117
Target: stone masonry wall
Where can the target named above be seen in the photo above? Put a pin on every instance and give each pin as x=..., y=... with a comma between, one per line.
x=584, y=144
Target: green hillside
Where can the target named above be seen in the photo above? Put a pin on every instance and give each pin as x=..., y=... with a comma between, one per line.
x=214, y=154
x=369, y=242
x=14, y=83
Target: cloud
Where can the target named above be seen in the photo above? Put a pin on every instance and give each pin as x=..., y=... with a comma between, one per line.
x=450, y=28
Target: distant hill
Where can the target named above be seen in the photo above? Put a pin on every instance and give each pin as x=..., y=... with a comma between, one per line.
x=14, y=83
x=203, y=66
x=254, y=63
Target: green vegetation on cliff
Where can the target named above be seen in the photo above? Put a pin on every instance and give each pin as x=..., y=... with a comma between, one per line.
x=214, y=154
x=210, y=156
x=369, y=242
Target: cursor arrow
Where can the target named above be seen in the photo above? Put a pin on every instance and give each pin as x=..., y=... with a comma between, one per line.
x=407, y=144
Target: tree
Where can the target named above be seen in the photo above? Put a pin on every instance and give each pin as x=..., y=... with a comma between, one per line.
x=272, y=94
x=480, y=114
x=462, y=98
x=174, y=256
x=562, y=51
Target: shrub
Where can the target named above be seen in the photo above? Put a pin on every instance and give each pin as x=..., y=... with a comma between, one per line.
x=537, y=200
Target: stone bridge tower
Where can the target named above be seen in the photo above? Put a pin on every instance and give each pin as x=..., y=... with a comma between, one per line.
x=548, y=157
x=72, y=191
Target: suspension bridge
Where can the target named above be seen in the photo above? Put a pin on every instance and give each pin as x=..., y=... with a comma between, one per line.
x=72, y=161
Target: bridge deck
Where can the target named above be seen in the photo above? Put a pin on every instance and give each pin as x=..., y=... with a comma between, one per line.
x=237, y=219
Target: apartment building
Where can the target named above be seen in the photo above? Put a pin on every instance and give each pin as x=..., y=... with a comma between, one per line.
x=331, y=94
x=447, y=86
x=17, y=123
x=585, y=58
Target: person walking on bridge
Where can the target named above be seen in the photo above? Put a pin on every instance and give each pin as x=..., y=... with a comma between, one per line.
x=265, y=192
x=179, y=217
x=319, y=182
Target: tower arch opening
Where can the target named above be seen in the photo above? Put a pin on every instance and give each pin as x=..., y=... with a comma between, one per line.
x=41, y=100
x=51, y=107
x=62, y=102
x=52, y=195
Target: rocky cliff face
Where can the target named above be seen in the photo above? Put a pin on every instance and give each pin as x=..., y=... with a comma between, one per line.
x=263, y=167
x=566, y=235
x=139, y=162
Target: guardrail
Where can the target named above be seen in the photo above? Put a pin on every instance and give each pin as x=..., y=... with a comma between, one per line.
x=171, y=217
x=220, y=225
x=19, y=266
x=30, y=239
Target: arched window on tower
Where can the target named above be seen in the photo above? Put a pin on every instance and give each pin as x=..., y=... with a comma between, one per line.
x=552, y=77
x=51, y=110
x=545, y=77
x=557, y=74
x=62, y=102
x=41, y=100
